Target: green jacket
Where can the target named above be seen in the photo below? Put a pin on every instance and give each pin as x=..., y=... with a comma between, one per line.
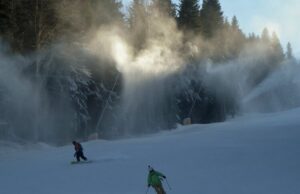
x=154, y=178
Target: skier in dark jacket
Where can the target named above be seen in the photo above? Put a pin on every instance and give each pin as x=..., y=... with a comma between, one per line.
x=78, y=151
x=154, y=180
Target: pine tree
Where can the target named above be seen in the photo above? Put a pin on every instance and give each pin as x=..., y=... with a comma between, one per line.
x=229, y=47
x=289, y=52
x=189, y=15
x=253, y=37
x=239, y=39
x=235, y=23
x=226, y=24
x=265, y=36
x=211, y=18
x=277, y=50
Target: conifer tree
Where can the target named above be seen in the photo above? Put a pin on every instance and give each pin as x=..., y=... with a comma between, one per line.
x=236, y=29
x=277, y=50
x=226, y=24
x=211, y=18
x=265, y=36
x=289, y=52
x=239, y=37
x=189, y=15
x=253, y=37
x=235, y=23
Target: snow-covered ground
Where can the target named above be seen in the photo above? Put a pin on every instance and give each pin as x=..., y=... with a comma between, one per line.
x=253, y=154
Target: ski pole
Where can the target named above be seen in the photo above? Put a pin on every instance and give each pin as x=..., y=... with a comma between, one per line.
x=168, y=184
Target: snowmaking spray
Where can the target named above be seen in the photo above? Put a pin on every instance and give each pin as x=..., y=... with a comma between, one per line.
x=147, y=72
x=151, y=75
x=145, y=75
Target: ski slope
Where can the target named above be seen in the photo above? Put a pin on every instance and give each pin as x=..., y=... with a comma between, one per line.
x=253, y=154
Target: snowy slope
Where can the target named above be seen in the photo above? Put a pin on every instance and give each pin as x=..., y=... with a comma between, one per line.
x=254, y=154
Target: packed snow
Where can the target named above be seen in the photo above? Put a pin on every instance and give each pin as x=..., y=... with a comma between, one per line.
x=251, y=154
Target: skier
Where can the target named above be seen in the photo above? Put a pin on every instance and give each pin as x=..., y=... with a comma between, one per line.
x=78, y=151
x=154, y=180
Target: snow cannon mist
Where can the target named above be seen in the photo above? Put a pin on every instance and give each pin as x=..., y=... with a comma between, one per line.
x=42, y=106
x=263, y=84
x=24, y=103
x=147, y=78
x=109, y=43
x=145, y=72
x=280, y=91
x=19, y=100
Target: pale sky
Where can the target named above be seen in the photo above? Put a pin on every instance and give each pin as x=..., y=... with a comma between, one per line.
x=281, y=16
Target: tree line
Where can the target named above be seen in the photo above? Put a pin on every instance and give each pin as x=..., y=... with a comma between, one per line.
x=31, y=25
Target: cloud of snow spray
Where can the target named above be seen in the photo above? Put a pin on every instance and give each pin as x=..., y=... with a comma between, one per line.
x=21, y=101
x=144, y=100
x=37, y=106
x=280, y=90
x=148, y=75
x=15, y=91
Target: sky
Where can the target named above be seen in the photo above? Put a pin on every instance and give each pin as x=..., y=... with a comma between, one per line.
x=280, y=16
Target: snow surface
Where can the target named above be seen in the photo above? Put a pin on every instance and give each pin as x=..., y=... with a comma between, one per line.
x=253, y=154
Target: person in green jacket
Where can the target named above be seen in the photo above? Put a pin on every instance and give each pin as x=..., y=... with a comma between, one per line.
x=154, y=180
